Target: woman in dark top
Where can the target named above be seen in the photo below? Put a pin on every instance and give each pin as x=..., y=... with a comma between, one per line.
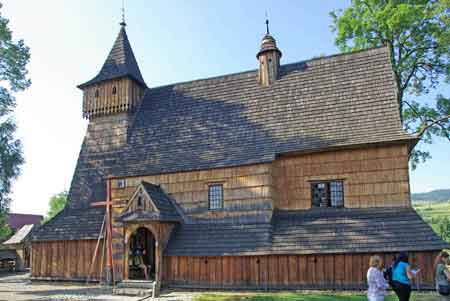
x=401, y=277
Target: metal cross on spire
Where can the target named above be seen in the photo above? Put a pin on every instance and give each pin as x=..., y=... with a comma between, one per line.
x=267, y=23
x=123, y=14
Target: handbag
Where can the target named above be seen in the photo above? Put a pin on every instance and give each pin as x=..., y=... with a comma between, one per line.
x=444, y=290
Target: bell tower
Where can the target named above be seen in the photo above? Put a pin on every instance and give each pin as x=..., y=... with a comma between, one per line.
x=119, y=86
x=269, y=59
x=111, y=98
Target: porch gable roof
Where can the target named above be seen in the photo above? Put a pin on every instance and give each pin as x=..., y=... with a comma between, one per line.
x=161, y=205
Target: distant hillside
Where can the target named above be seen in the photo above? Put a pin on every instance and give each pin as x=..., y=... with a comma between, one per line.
x=434, y=195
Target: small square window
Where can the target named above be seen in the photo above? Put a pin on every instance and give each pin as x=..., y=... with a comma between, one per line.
x=327, y=194
x=215, y=196
x=122, y=183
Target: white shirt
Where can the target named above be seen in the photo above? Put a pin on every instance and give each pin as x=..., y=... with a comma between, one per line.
x=377, y=283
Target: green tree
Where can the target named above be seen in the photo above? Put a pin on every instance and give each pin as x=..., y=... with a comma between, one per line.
x=417, y=34
x=443, y=228
x=5, y=229
x=56, y=204
x=14, y=57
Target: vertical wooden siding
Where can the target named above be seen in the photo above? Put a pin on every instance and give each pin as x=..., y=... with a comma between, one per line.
x=373, y=177
x=69, y=259
x=126, y=98
x=339, y=271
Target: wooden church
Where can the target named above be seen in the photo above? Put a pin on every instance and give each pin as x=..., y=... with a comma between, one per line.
x=284, y=177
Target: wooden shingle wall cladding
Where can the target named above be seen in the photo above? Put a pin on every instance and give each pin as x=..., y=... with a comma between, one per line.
x=247, y=191
x=373, y=177
x=99, y=99
x=106, y=133
x=330, y=271
x=65, y=260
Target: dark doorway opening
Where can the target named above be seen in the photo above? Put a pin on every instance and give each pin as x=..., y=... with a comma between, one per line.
x=141, y=256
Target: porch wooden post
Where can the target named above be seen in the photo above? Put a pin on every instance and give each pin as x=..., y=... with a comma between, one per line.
x=158, y=271
x=126, y=251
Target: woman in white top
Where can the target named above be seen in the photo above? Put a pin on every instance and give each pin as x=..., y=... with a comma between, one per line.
x=375, y=280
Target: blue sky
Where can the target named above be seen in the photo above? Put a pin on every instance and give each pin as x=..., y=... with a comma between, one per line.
x=173, y=41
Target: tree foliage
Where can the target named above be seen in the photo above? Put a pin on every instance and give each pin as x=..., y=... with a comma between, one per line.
x=441, y=225
x=55, y=205
x=417, y=34
x=14, y=57
x=5, y=229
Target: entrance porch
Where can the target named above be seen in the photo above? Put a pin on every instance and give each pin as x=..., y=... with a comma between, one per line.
x=148, y=221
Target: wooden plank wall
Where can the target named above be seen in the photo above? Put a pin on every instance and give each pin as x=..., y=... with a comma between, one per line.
x=333, y=271
x=373, y=177
x=247, y=190
x=65, y=260
x=127, y=96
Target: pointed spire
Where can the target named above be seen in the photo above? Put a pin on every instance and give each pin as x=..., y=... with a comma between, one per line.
x=119, y=63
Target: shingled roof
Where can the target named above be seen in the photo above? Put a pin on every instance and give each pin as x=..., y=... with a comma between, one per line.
x=20, y=235
x=71, y=224
x=232, y=120
x=120, y=63
x=165, y=207
x=336, y=101
x=315, y=231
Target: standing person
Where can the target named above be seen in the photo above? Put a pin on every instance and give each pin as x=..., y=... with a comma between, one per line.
x=401, y=277
x=375, y=280
x=442, y=274
x=140, y=252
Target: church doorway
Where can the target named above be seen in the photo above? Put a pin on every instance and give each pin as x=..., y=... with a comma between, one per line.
x=141, y=255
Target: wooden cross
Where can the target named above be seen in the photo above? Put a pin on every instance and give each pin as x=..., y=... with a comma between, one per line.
x=108, y=203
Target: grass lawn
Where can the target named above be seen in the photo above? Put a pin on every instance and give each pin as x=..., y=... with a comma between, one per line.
x=306, y=296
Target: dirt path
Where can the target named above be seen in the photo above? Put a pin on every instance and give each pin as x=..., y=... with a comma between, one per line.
x=18, y=287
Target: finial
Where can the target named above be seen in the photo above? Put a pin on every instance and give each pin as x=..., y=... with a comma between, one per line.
x=267, y=24
x=123, y=24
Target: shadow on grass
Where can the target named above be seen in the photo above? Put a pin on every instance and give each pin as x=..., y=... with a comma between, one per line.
x=307, y=297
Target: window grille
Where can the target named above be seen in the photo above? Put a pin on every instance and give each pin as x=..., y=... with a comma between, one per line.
x=122, y=183
x=215, y=196
x=327, y=194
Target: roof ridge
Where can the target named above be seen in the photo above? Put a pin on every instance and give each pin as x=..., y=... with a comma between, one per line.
x=287, y=65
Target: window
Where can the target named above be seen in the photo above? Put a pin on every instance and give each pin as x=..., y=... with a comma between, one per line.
x=122, y=183
x=114, y=90
x=271, y=71
x=327, y=194
x=96, y=93
x=215, y=196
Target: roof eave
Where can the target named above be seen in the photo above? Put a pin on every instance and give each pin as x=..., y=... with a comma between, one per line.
x=409, y=141
x=94, y=81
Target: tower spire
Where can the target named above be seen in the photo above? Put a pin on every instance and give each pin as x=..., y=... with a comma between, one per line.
x=267, y=24
x=123, y=23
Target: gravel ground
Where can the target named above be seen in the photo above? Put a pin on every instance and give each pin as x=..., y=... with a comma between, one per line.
x=18, y=287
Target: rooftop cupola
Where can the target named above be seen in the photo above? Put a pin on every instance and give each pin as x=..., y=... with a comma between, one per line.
x=269, y=59
x=119, y=85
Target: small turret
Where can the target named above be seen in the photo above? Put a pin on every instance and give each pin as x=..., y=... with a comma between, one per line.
x=269, y=59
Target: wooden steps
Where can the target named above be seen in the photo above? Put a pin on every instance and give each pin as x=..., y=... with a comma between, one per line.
x=134, y=288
